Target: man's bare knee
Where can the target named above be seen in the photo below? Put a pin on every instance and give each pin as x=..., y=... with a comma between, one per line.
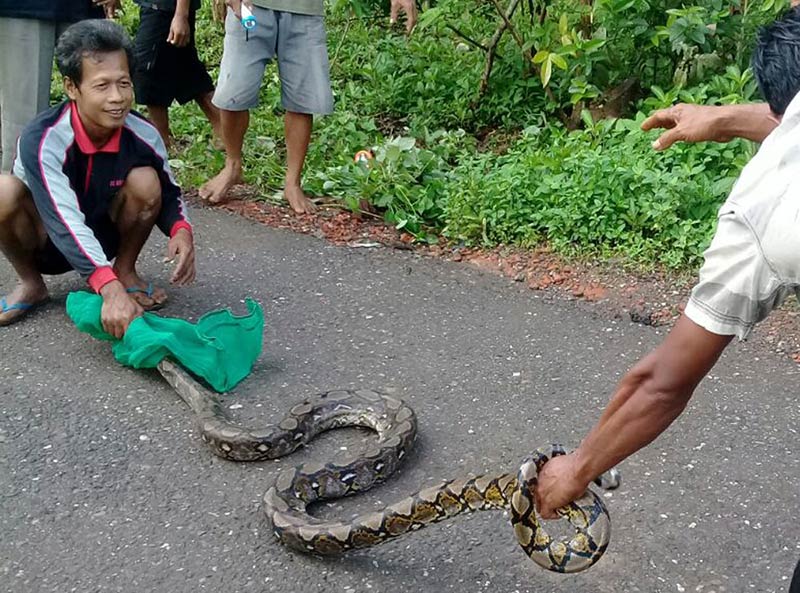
x=142, y=191
x=13, y=197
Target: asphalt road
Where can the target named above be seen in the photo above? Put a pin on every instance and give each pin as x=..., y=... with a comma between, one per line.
x=105, y=485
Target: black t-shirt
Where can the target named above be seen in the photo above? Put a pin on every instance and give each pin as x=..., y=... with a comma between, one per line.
x=166, y=5
x=51, y=10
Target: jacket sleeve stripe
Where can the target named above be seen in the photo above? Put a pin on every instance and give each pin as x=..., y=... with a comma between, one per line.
x=150, y=137
x=61, y=213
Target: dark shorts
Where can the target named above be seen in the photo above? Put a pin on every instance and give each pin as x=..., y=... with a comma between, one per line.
x=162, y=72
x=50, y=261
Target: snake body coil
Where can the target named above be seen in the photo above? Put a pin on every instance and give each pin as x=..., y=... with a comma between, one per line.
x=395, y=423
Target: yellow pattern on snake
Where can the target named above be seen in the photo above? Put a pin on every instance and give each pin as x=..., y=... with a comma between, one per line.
x=286, y=502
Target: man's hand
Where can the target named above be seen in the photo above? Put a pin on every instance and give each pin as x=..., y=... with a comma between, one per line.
x=686, y=123
x=236, y=6
x=721, y=123
x=110, y=7
x=410, y=8
x=181, y=245
x=179, y=34
x=559, y=484
x=118, y=310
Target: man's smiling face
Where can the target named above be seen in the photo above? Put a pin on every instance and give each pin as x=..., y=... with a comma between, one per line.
x=104, y=95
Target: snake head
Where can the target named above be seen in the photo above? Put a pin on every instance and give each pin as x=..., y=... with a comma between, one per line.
x=609, y=480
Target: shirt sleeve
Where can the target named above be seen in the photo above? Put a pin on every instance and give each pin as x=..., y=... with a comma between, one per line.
x=43, y=172
x=173, y=215
x=737, y=287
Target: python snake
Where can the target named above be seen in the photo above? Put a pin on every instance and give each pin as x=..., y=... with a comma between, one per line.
x=286, y=502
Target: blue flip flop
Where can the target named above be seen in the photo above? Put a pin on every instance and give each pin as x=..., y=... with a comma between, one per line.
x=148, y=292
x=25, y=308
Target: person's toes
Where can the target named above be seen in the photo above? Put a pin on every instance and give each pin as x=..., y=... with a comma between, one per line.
x=214, y=192
x=12, y=316
x=11, y=312
x=141, y=297
x=148, y=296
x=299, y=202
x=159, y=296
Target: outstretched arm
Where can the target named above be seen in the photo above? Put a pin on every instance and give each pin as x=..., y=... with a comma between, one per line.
x=722, y=123
x=649, y=397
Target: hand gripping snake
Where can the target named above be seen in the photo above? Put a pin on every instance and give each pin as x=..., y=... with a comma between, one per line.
x=395, y=423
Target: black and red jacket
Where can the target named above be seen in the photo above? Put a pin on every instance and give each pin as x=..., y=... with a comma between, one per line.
x=73, y=182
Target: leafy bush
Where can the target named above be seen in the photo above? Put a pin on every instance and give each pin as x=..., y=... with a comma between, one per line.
x=499, y=165
x=603, y=191
x=406, y=182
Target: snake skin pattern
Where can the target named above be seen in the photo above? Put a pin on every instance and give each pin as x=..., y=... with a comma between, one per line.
x=395, y=423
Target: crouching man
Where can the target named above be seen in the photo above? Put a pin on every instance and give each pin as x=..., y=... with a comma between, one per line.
x=90, y=180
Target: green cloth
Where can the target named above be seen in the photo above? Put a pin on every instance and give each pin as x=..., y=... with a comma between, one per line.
x=221, y=347
x=313, y=7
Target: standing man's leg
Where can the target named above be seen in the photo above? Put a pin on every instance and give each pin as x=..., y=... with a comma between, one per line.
x=196, y=83
x=159, y=117
x=297, y=129
x=211, y=112
x=152, y=79
x=234, y=126
x=305, y=90
x=26, y=68
x=165, y=72
x=244, y=57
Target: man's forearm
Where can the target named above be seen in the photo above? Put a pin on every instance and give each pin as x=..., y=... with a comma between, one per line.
x=637, y=413
x=753, y=121
x=182, y=8
x=650, y=396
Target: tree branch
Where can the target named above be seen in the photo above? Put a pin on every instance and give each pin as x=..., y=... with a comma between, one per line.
x=467, y=38
x=528, y=57
x=492, y=50
x=509, y=24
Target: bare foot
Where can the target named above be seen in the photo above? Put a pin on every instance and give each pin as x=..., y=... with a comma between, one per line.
x=298, y=200
x=23, y=294
x=215, y=190
x=148, y=296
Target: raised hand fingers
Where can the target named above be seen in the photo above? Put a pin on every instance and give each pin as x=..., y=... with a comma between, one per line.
x=663, y=118
x=668, y=138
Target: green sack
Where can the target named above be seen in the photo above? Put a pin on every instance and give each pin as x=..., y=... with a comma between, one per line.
x=221, y=347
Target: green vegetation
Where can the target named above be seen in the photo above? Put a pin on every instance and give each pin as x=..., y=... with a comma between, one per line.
x=547, y=147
